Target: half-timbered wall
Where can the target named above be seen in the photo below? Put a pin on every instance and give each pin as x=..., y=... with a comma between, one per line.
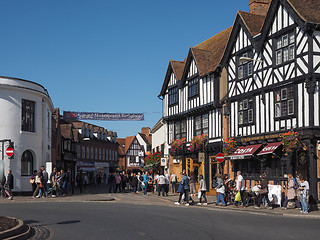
x=268, y=76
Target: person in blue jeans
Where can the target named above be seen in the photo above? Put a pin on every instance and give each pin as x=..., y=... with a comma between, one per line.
x=304, y=188
x=146, y=179
x=220, y=190
x=183, y=189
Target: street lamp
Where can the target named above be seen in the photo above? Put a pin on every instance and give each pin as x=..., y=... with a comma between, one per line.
x=245, y=59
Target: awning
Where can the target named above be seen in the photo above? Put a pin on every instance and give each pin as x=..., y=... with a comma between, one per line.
x=246, y=151
x=270, y=148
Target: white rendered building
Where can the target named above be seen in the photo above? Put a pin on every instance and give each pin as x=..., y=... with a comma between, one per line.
x=25, y=110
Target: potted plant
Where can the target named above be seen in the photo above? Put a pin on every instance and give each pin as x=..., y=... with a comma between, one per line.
x=197, y=142
x=229, y=146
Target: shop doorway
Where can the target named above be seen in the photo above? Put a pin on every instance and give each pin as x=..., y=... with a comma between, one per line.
x=193, y=165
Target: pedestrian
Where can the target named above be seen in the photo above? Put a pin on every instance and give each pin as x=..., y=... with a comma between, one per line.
x=167, y=176
x=183, y=189
x=173, y=180
x=9, y=185
x=220, y=188
x=291, y=193
x=63, y=182
x=33, y=180
x=140, y=180
x=118, y=183
x=53, y=182
x=112, y=183
x=239, y=188
x=202, y=190
x=79, y=180
x=39, y=181
x=45, y=181
x=124, y=180
x=145, y=183
x=263, y=193
x=134, y=182
x=193, y=180
x=162, y=184
x=304, y=193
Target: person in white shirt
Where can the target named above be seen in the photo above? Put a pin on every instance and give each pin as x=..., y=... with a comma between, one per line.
x=240, y=188
x=304, y=188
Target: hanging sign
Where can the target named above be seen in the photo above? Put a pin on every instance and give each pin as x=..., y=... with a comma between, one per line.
x=163, y=162
x=103, y=116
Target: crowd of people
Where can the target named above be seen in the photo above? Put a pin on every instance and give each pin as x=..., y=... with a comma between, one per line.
x=229, y=191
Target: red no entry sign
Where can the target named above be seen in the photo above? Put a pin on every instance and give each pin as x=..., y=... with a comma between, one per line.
x=9, y=151
x=220, y=157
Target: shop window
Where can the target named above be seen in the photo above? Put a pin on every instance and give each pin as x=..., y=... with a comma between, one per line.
x=26, y=163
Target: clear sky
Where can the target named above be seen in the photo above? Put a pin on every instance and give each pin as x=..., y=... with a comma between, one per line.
x=106, y=56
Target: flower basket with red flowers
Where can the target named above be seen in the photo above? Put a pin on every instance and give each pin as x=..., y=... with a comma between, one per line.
x=177, y=145
x=292, y=141
x=229, y=146
x=153, y=159
x=197, y=142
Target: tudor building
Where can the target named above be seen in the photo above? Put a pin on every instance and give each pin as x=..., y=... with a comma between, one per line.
x=273, y=73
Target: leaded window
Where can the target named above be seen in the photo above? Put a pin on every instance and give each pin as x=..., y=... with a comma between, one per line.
x=202, y=124
x=245, y=66
x=193, y=87
x=180, y=129
x=284, y=102
x=246, y=111
x=285, y=48
x=28, y=116
x=173, y=96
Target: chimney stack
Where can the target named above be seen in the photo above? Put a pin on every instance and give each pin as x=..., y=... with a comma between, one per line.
x=259, y=7
x=145, y=131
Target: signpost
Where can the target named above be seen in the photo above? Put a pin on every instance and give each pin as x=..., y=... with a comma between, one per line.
x=220, y=157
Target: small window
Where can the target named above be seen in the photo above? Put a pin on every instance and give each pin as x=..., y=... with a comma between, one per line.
x=28, y=116
x=284, y=102
x=246, y=111
x=285, y=47
x=26, y=163
x=245, y=69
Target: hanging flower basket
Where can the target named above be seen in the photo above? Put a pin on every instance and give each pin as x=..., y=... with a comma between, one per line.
x=229, y=146
x=197, y=142
x=153, y=159
x=177, y=145
x=292, y=141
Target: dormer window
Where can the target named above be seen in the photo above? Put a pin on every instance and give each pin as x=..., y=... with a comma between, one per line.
x=285, y=48
x=245, y=67
x=193, y=87
x=173, y=96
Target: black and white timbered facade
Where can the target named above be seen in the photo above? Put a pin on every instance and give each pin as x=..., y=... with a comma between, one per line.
x=273, y=84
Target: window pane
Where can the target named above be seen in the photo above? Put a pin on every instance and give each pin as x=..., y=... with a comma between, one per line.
x=291, y=37
x=285, y=40
x=245, y=116
x=279, y=57
x=278, y=98
x=291, y=107
x=240, y=117
x=290, y=92
x=240, y=72
x=198, y=122
x=250, y=104
x=284, y=110
x=283, y=94
x=245, y=104
x=245, y=70
x=249, y=68
x=278, y=110
x=205, y=121
x=285, y=54
x=279, y=43
x=250, y=116
x=291, y=52
x=241, y=105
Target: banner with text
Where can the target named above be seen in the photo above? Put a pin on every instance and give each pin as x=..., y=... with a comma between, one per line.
x=104, y=116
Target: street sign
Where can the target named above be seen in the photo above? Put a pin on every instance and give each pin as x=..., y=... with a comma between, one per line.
x=9, y=151
x=163, y=162
x=220, y=157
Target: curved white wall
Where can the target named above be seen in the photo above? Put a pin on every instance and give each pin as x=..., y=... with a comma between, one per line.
x=12, y=91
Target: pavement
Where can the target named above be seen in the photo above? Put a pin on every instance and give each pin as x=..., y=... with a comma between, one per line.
x=100, y=194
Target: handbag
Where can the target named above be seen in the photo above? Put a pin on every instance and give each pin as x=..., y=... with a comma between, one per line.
x=238, y=197
x=32, y=181
x=199, y=194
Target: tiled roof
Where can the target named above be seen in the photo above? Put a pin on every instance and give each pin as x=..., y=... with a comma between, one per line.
x=128, y=143
x=75, y=135
x=121, y=151
x=308, y=10
x=121, y=141
x=66, y=130
x=208, y=54
x=147, y=139
x=253, y=22
x=177, y=67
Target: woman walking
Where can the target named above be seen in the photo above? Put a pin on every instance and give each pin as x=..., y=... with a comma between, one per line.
x=203, y=190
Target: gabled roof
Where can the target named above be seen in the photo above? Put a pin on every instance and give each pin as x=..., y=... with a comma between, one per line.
x=146, y=139
x=129, y=140
x=177, y=68
x=252, y=22
x=208, y=54
x=308, y=10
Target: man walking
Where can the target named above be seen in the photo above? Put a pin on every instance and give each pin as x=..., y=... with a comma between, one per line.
x=9, y=185
x=239, y=188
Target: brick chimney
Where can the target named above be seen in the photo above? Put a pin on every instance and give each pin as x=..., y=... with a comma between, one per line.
x=145, y=131
x=259, y=7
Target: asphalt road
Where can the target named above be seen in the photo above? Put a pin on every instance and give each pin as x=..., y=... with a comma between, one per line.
x=118, y=220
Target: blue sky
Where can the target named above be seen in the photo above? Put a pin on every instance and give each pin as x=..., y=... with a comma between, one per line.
x=106, y=56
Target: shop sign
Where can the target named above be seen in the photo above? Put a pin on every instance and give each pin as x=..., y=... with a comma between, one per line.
x=256, y=138
x=163, y=162
x=201, y=156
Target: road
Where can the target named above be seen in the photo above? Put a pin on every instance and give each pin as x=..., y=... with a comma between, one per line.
x=138, y=217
